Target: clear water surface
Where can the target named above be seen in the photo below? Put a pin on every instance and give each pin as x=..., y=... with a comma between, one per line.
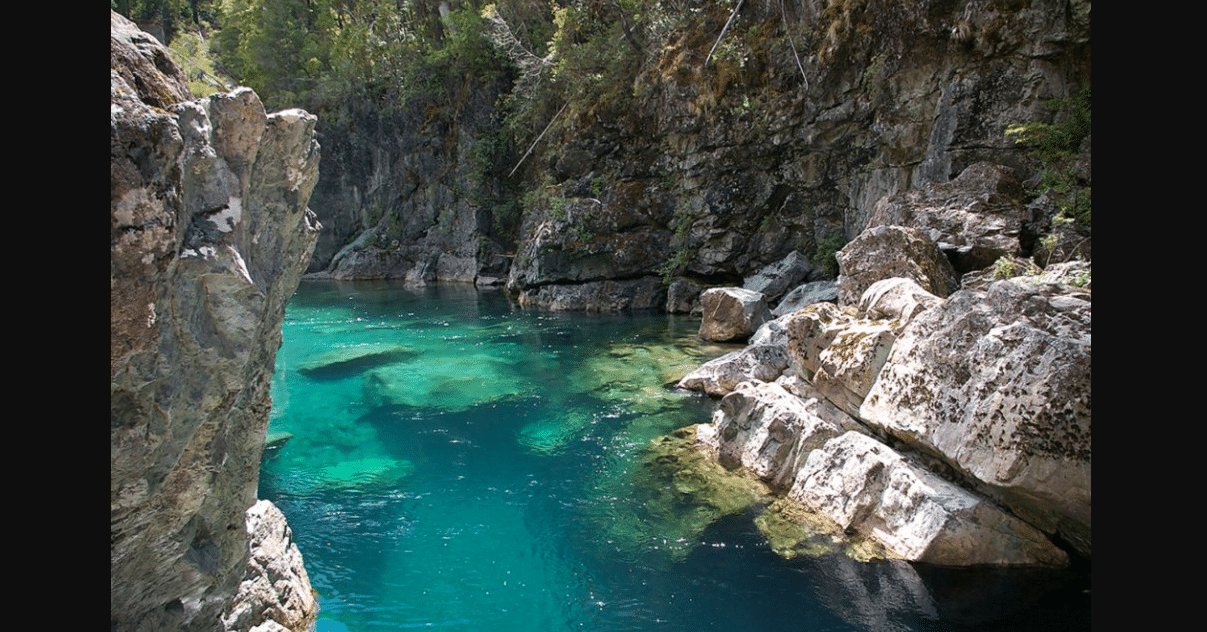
x=459, y=464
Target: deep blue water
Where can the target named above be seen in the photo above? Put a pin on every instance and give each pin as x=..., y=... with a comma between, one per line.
x=459, y=464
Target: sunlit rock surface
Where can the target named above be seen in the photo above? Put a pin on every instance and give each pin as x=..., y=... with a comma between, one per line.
x=732, y=314
x=998, y=383
x=984, y=398
x=978, y=216
x=885, y=252
x=865, y=486
x=209, y=235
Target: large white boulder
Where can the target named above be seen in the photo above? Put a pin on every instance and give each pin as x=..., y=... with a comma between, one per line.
x=997, y=384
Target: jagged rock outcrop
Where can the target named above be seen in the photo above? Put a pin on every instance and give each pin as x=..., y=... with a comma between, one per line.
x=839, y=352
x=998, y=385
x=956, y=431
x=775, y=280
x=274, y=594
x=209, y=236
x=806, y=295
x=809, y=451
x=885, y=252
x=976, y=218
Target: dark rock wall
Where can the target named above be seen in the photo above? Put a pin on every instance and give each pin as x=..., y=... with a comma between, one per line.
x=711, y=171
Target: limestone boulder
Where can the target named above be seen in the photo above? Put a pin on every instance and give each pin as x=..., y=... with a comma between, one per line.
x=884, y=252
x=838, y=352
x=978, y=216
x=896, y=299
x=867, y=487
x=722, y=375
x=769, y=430
x=775, y=280
x=732, y=314
x=997, y=384
x=807, y=294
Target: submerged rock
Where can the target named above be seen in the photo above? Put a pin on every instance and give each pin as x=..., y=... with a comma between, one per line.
x=351, y=361
x=674, y=494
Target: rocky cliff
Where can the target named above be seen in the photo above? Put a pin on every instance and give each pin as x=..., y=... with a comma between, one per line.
x=209, y=234
x=715, y=156
x=944, y=427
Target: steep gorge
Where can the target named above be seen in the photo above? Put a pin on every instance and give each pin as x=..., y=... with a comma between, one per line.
x=696, y=167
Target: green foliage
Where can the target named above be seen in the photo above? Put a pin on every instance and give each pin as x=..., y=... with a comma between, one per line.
x=190, y=50
x=1008, y=267
x=824, y=255
x=278, y=47
x=685, y=249
x=313, y=53
x=175, y=16
x=1079, y=278
x=1056, y=146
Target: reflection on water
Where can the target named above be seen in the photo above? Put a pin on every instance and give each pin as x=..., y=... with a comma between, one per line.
x=461, y=465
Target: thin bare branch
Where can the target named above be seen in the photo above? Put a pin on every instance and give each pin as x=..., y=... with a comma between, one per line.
x=723, y=30
x=538, y=139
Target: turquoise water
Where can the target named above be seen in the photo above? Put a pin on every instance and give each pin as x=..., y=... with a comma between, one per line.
x=458, y=464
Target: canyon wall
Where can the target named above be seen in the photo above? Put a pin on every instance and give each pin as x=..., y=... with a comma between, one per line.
x=706, y=168
x=209, y=235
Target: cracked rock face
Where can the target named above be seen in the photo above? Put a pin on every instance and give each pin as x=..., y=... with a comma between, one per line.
x=998, y=383
x=209, y=234
x=972, y=444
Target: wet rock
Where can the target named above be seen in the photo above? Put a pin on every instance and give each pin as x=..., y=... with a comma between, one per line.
x=597, y=296
x=683, y=297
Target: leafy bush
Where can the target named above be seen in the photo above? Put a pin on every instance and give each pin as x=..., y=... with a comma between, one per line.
x=1056, y=146
x=824, y=256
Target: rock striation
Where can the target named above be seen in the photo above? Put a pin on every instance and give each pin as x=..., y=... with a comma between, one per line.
x=209, y=234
